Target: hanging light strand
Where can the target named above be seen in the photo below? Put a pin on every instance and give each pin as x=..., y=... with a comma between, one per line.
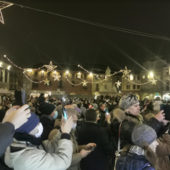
x=32, y=80
x=72, y=83
x=18, y=66
x=138, y=83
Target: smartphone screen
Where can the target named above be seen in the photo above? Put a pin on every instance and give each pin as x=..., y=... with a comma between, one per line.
x=107, y=112
x=64, y=114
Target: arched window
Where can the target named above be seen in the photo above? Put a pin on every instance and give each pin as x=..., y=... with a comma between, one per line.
x=127, y=86
x=167, y=85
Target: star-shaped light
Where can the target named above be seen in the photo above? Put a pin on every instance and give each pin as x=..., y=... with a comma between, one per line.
x=50, y=67
x=2, y=6
x=118, y=84
x=84, y=83
x=46, y=82
x=56, y=77
x=153, y=81
x=125, y=72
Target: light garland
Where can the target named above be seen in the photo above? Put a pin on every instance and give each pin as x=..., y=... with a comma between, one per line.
x=51, y=67
x=32, y=80
x=18, y=66
x=2, y=6
x=72, y=83
x=141, y=84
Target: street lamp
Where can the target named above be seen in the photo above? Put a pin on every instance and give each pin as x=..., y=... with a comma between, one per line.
x=67, y=72
x=151, y=75
x=91, y=74
x=131, y=77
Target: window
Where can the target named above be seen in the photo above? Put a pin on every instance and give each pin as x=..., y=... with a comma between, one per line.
x=138, y=86
x=6, y=75
x=167, y=85
x=134, y=77
x=117, y=78
x=97, y=87
x=42, y=74
x=61, y=74
x=48, y=74
x=85, y=76
x=134, y=86
x=36, y=73
x=60, y=84
x=138, y=77
x=143, y=76
x=167, y=72
x=127, y=86
x=73, y=75
x=1, y=74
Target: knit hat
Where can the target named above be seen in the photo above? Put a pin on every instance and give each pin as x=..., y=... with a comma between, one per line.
x=95, y=106
x=127, y=101
x=143, y=133
x=46, y=108
x=29, y=125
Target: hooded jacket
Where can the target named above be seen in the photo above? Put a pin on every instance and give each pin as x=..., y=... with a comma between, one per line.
x=134, y=160
x=50, y=155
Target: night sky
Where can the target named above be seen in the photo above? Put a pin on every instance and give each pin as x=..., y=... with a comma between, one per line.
x=29, y=37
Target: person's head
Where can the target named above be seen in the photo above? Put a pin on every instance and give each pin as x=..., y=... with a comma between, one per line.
x=72, y=112
x=32, y=126
x=130, y=104
x=91, y=115
x=102, y=106
x=143, y=135
x=48, y=109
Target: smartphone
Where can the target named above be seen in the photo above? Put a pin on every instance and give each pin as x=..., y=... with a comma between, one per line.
x=107, y=112
x=65, y=114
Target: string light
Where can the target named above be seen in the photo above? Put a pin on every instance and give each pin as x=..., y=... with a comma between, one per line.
x=18, y=66
x=32, y=80
x=138, y=83
x=2, y=6
x=72, y=83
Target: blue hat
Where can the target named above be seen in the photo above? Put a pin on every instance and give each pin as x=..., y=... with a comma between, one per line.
x=29, y=125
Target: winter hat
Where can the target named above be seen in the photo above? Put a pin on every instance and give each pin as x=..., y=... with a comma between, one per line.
x=29, y=125
x=95, y=106
x=46, y=108
x=127, y=101
x=143, y=133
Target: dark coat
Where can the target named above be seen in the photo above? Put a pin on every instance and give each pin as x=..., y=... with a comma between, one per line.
x=128, y=123
x=93, y=133
x=133, y=162
x=6, y=136
x=102, y=121
x=48, y=126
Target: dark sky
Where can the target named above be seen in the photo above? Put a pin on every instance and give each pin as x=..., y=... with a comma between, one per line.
x=30, y=37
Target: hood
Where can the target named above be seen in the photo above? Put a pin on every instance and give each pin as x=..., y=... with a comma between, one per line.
x=120, y=115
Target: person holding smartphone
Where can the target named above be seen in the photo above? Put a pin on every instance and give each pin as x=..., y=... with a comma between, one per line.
x=79, y=151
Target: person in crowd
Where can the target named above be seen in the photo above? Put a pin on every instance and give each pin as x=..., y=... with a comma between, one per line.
x=79, y=152
x=49, y=114
x=163, y=151
x=29, y=152
x=93, y=132
x=128, y=115
x=102, y=114
x=141, y=155
x=14, y=118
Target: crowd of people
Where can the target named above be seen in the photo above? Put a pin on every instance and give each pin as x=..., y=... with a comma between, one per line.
x=100, y=133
